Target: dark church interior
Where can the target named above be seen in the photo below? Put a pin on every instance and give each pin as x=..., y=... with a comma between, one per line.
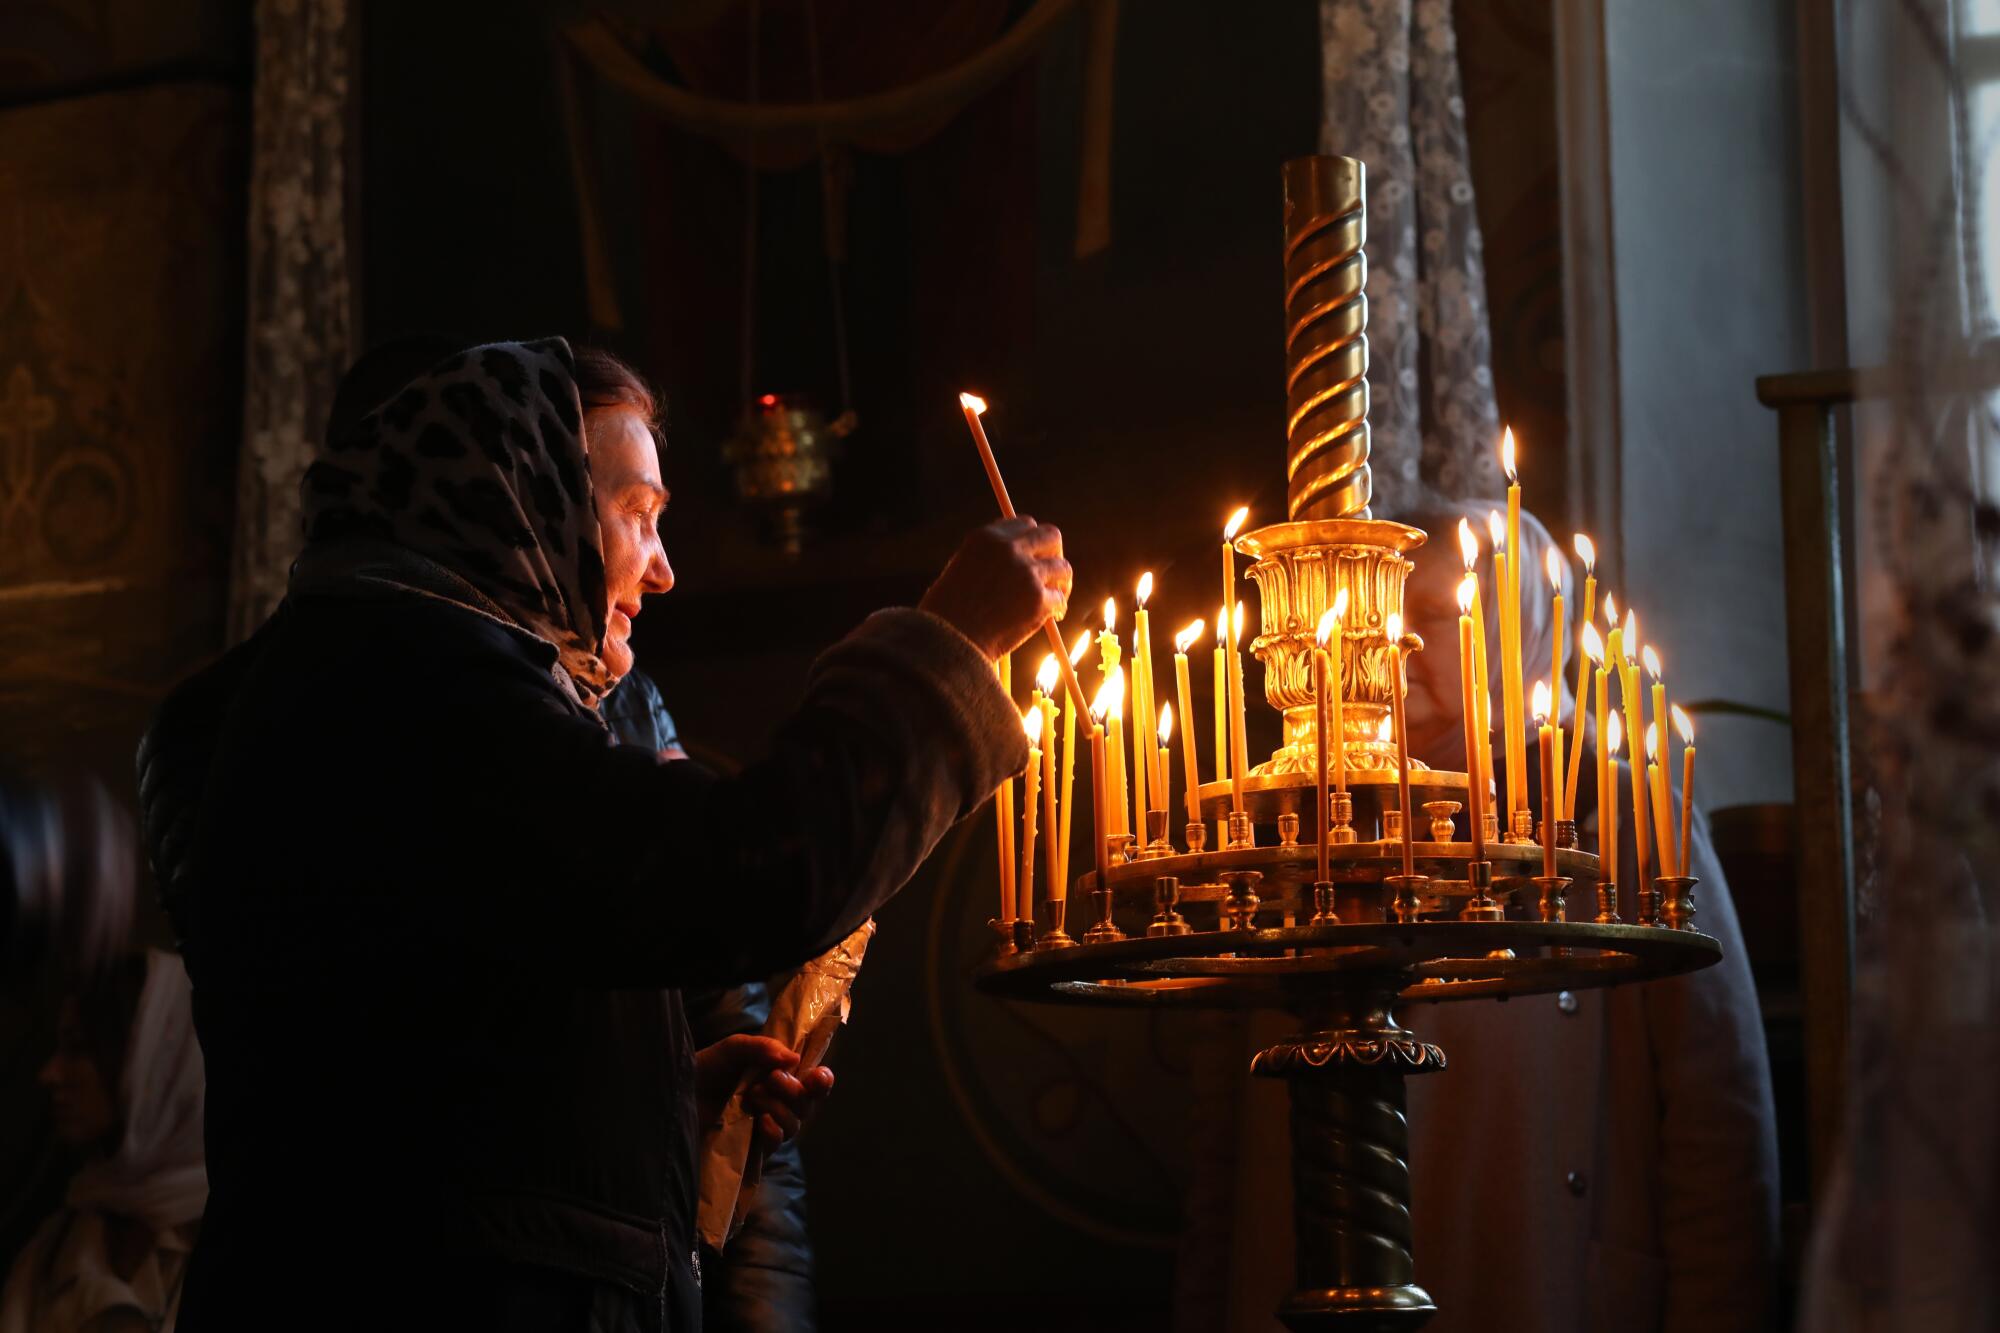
x=564, y=566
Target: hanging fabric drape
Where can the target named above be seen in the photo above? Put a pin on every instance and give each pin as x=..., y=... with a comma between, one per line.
x=779, y=134
x=298, y=341
x=1392, y=99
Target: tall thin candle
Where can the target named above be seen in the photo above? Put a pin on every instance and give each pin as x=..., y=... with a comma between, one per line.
x=1586, y=551
x=1553, y=566
x=1510, y=670
x=1607, y=806
x=1047, y=678
x=1517, y=736
x=1393, y=630
x=1475, y=794
x=1109, y=656
x=1593, y=651
x=1685, y=726
x=1669, y=863
x=1322, y=732
x=1628, y=696
x=1003, y=807
x=1482, y=689
x=1221, y=691
x=1100, y=832
x=1239, y=745
x=1663, y=814
x=1165, y=733
x=1115, y=756
x=1060, y=888
x=1031, y=722
x=1184, y=696
x=1142, y=707
x=1545, y=733
x=1336, y=665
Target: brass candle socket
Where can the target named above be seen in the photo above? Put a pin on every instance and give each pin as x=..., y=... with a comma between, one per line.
x=1407, y=896
x=1024, y=934
x=1607, y=902
x=1003, y=934
x=1197, y=836
x=1106, y=930
x=1288, y=829
x=1239, y=910
x=1554, y=905
x=1052, y=935
x=1341, y=812
x=1677, y=909
x=1482, y=905
x=1647, y=908
x=1167, y=919
x=1157, y=844
x=1392, y=824
x=1242, y=833
x=1522, y=827
x=1489, y=824
x=1323, y=913
x=1120, y=845
x=1441, y=813
x=1566, y=834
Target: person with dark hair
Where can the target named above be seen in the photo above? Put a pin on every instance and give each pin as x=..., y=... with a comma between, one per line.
x=437, y=920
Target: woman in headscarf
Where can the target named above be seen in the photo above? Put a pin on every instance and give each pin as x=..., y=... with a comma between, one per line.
x=430, y=908
x=125, y=1089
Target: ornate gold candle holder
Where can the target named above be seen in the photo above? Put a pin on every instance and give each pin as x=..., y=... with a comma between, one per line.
x=1052, y=934
x=1607, y=903
x=1407, y=896
x=1482, y=905
x=1238, y=910
x=1677, y=906
x=1341, y=812
x=1441, y=814
x=1167, y=919
x=1323, y=910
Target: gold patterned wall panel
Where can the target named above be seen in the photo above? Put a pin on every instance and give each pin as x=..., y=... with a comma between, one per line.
x=120, y=346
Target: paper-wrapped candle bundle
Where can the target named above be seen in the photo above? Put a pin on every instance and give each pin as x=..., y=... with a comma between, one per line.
x=805, y=1013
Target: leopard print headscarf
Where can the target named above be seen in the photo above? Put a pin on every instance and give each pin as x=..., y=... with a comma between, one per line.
x=479, y=466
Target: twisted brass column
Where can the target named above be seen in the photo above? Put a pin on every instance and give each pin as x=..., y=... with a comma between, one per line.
x=1326, y=340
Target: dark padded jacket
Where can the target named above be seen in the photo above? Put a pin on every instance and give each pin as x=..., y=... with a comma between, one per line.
x=429, y=909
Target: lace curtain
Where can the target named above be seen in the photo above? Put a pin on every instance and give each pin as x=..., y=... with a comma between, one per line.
x=298, y=341
x=1910, y=1223
x=1392, y=99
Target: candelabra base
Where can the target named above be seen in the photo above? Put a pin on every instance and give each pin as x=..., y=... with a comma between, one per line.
x=1350, y=1162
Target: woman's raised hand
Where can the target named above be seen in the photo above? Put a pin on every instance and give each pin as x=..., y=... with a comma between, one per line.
x=1007, y=578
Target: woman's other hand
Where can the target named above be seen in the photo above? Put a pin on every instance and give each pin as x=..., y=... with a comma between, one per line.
x=1007, y=578
x=779, y=1101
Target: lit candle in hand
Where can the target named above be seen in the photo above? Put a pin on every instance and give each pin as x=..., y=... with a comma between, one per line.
x=1031, y=722
x=1586, y=551
x=1546, y=734
x=1685, y=726
x=1184, y=697
x=1239, y=745
x=1393, y=631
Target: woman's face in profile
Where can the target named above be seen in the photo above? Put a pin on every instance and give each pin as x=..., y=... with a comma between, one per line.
x=79, y=1096
x=630, y=498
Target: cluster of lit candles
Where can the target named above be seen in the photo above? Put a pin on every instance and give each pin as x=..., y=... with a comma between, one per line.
x=1123, y=795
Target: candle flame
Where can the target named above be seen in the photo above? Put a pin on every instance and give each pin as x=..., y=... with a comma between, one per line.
x=1614, y=735
x=1236, y=634
x=1652, y=741
x=1187, y=637
x=1323, y=635
x=1586, y=551
x=1539, y=704
x=1117, y=712
x=1507, y=456
x=1683, y=724
x=972, y=403
x=1496, y=528
x=1110, y=614
x=1468, y=543
x=1031, y=722
x=1387, y=731
x=1593, y=644
x=1631, y=630
x=1100, y=703
x=1048, y=675
x=1340, y=605
x=1652, y=661
x=1552, y=562
x=1467, y=588
x=1145, y=588
x=1082, y=642
x=1166, y=727
x=1610, y=609
x=1392, y=628
x=1235, y=523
